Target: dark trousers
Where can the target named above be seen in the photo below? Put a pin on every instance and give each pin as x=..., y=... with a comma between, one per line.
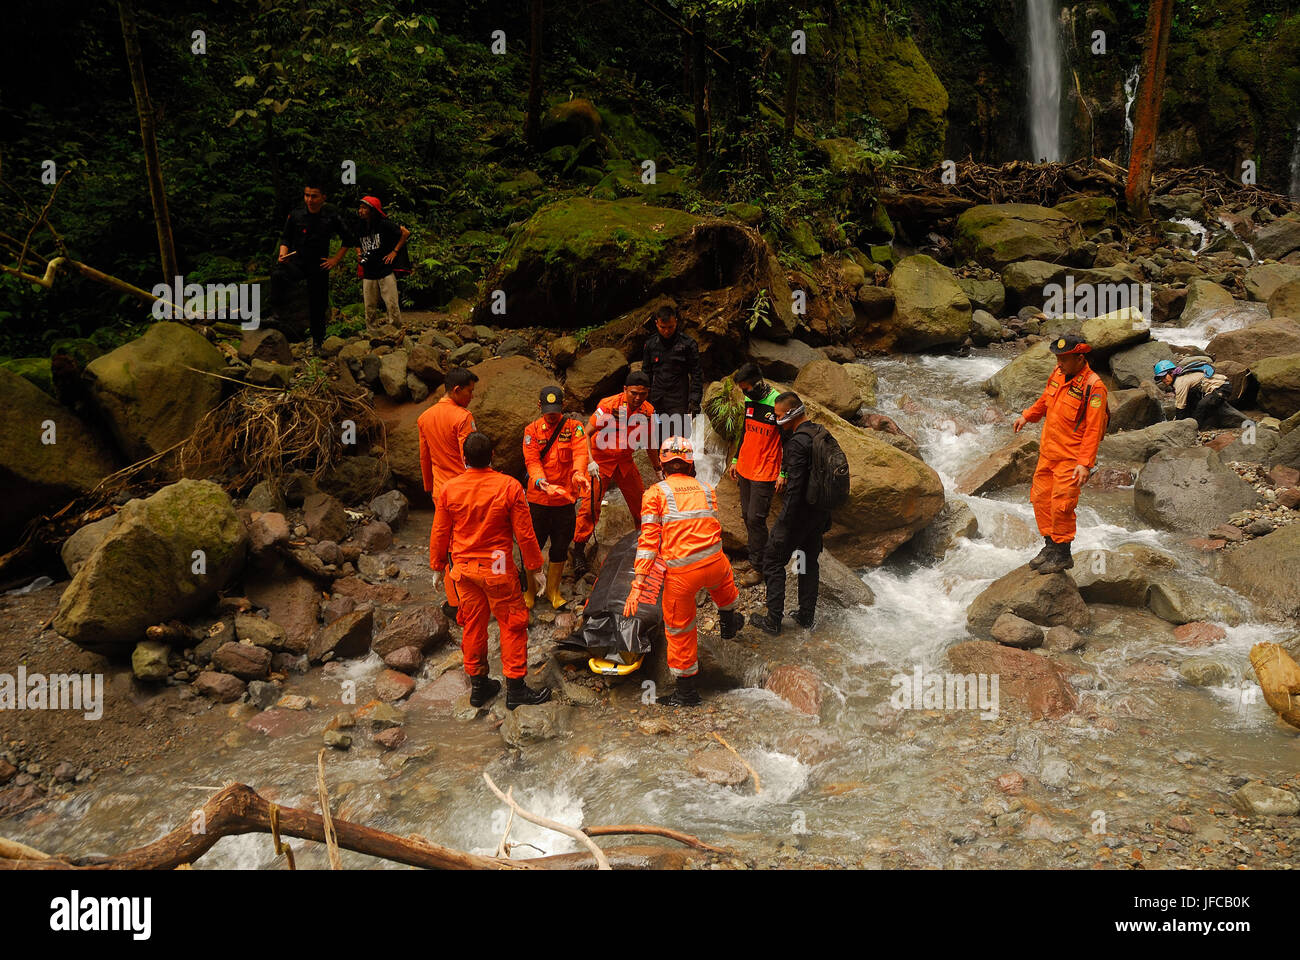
x=802, y=531
x=755, y=502
x=318, y=303
x=1213, y=410
x=555, y=524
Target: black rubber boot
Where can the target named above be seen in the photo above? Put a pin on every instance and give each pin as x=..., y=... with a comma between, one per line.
x=482, y=689
x=519, y=693
x=767, y=623
x=1043, y=554
x=684, y=695
x=578, y=555
x=804, y=620
x=731, y=622
x=1059, y=561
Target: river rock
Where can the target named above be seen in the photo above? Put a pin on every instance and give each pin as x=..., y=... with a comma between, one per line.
x=144, y=572
x=391, y=508
x=1028, y=684
x=1262, y=280
x=837, y=584
x=1013, y=631
x=392, y=374
x=1180, y=601
x=423, y=627
x=718, y=765
x=1204, y=672
x=998, y=234
x=1138, y=446
x=221, y=687
x=830, y=385
x=259, y=631
x=930, y=309
x=405, y=659
x=1122, y=576
x=391, y=685
x=244, y=660
x=440, y=697
x=529, y=723
x=987, y=295
x=149, y=660
x=355, y=479
x=152, y=392
x=800, y=688
x=1206, y=299
x=1046, y=600
x=1285, y=302
x=1286, y=453
x=78, y=547
x=782, y=361
x=1133, y=409
x=291, y=601
x=1115, y=330
x=1275, y=240
x=1061, y=639
x=1278, y=336
x=37, y=476
x=267, y=530
x=325, y=517
x=594, y=376
x=1135, y=364
x=265, y=343
x=1022, y=381
x=954, y=522
x=1010, y=464
x=346, y=637
x=1279, y=384
x=374, y=537
x=505, y=402
x=864, y=380
x=1267, y=570
x=1261, y=800
x=1189, y=490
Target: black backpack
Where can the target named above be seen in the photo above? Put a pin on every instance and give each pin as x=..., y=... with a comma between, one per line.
x=828, y=471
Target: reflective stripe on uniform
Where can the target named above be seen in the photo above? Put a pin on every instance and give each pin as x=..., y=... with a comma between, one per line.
x=688, y=514
x=693, y=557
x=645, y=555
x=690, y=671
x=683, y=629
x=652, y=518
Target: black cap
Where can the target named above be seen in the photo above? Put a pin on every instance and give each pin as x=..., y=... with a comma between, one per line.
x=1070, y=344
x=552, y=399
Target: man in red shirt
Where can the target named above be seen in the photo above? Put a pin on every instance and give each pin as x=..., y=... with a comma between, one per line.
x=621, y=424
x=443, y=429
x=480, y=515
x=555, y=456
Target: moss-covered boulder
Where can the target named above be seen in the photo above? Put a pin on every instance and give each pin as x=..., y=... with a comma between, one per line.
x=166, y=557
x=998, y=234
x=1021, y=381
x=47, y=455
x=930, y=308
x=35, y=370
x=1279, y=384
x=152, y=392
x=880, y=71
x=1091, y=213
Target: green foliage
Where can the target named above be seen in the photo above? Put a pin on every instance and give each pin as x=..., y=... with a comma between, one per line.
x=760, y=309
x=725, y=413
x=346, y=328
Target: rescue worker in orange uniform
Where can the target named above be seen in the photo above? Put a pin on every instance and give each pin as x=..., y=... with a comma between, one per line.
x=480, y=514
x=1074, y=404
x=443, y=429
x=679, y=523
x=555, y=456
x=621, y=424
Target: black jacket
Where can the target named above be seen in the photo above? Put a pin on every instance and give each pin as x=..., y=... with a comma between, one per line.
x=309, y=234
x=796, y=465
x=673, y=366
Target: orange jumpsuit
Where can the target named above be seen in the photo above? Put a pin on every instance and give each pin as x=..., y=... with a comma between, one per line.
x=566, y=461
x=479, y=516
x=680, y=525
x=614, y=435
x=1076, y=414
x=443, y=429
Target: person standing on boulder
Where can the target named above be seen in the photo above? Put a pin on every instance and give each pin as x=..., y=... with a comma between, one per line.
x=680, y=525
x=1199, y=392
x=381, y=243
x=305, y=242
x=756, y=467
x=800, y=527
x=443, y=428
x=480, y=515
x=1074, y=404
x=555, y=456
x=621, y=424
x=671, y=360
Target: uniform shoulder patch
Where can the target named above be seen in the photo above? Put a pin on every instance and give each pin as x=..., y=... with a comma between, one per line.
x=1095, y=401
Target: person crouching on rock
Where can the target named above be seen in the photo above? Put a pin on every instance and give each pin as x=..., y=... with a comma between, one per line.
x=679, y=522
x=1074, y=404
x=1199, y=392
x=479, y=515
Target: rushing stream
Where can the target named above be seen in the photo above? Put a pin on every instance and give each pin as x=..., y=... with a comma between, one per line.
x=864, y=784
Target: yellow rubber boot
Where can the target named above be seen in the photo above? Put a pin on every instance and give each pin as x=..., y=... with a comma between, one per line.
x=530, y=595
x=554, y=571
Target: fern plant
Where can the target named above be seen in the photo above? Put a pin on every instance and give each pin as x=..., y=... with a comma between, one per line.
x=725, y=413
x=759, y=310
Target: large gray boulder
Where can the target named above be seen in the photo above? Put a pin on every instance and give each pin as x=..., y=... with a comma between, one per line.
x=1044, y=599
x=1010, y=464
x=782, y=361
x=1268, y=338
x=1279, y=384
x=829, y=384
x=1139, y=446
x=1262, y=280
x=152, y=392
x=166, y=557
x=1133, y=365
x=1275, y=240
x=1190, y=490
x=1267, y=570
x=1021, y=381
x=998, y=234
x=930, y=309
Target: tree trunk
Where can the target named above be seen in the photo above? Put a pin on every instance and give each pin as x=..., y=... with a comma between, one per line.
x=533, y=126
x=700, y=78
x=1146, y=121
x=792, y=96
x=153, y=168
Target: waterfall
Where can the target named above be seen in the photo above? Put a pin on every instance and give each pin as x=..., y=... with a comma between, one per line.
x=1044, y=81
x=1295, y=166
x=1130, y=95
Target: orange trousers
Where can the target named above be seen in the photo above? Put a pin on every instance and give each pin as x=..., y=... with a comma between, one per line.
x=628, y=478
x=680, y=588
x=483, y=592
x=1055, y=496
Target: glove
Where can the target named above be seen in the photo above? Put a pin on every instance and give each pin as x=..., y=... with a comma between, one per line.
x=593, y=469
x=633, y=600
x=535, y=578
x=579, y=485
x=437, y=579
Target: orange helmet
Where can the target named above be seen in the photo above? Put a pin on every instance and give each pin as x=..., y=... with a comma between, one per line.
x=677, y=448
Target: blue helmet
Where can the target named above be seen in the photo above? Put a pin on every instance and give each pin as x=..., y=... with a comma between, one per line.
x=1163, y=367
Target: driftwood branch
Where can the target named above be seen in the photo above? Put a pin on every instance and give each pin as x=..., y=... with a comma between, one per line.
x=601, y=861
x=331, y=838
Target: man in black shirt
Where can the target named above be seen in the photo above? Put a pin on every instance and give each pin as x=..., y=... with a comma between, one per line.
x=672, y=362
x=305, y=242
x=380, y=241
x=799, y=529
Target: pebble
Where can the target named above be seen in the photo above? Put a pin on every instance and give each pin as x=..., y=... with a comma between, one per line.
x=337, y=739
